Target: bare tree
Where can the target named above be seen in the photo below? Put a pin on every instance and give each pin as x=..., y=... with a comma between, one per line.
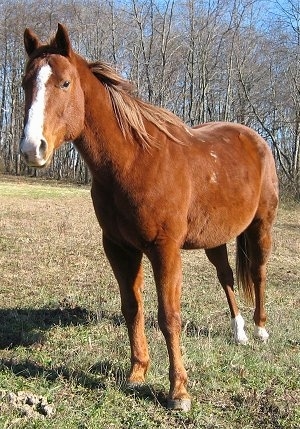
x=233, y=60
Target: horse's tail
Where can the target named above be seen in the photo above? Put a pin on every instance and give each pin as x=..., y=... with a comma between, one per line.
x=243, y=273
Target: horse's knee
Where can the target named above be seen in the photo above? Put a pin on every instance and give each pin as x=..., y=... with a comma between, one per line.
x=130, y=311
x=169, y=322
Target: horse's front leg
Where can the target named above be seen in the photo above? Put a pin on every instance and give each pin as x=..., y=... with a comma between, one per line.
x=126, y=265
x=166, y=262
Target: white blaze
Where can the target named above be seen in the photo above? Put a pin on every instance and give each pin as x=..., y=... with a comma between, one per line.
x=33, y=131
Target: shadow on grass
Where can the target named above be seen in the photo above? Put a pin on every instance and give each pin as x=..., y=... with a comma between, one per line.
x=25, y=327
x=28, y=327
x=98, y=377
x=31, y=369
x=118, y=376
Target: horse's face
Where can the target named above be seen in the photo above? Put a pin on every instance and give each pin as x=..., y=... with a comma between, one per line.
x=54, y=102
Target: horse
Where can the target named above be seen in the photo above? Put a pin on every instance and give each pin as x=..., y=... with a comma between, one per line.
x=158, y=186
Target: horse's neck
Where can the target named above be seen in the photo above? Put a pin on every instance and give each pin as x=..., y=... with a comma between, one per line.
x=102, y=143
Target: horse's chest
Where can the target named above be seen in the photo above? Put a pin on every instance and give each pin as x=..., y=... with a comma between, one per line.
x=124, y=218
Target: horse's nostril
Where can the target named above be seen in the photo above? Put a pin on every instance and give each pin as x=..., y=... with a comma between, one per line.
x=43, y=148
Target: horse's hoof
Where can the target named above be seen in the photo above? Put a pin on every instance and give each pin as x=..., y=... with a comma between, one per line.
x=261, y=334
x=131, y=385
x=241, y=339
x=179, y=404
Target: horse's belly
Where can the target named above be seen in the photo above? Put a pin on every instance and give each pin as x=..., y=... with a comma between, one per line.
x=217, y=227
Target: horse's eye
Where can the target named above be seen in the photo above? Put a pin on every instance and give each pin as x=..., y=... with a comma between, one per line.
x=65, y=84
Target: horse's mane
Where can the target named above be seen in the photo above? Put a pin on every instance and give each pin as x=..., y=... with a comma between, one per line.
x=130, y=111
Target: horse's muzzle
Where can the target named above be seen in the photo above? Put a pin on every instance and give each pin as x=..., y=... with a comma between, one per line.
x=35, y=155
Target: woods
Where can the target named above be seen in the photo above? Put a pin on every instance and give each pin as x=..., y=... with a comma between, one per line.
x=205, y=60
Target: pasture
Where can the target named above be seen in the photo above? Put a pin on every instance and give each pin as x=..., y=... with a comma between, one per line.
x=64, y=349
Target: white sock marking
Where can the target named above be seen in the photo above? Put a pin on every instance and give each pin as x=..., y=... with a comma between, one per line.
x=237, y=324
x=261, y=333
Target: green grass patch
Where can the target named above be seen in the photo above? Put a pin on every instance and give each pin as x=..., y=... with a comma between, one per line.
x=33, y=188
x=63, y=339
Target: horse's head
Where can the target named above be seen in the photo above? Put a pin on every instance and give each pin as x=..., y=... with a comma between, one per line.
x=54, y=101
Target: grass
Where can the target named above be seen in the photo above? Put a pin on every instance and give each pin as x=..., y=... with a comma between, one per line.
x=62, y=336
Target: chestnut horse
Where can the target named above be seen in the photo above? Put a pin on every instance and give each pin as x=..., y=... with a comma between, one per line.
x=158, y=187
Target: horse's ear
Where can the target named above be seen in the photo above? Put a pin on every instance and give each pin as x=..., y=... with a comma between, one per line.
x=62, y=41
x=31, y=41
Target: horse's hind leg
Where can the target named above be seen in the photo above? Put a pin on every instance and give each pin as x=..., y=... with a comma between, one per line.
x=219, y=258
x=126, y=265
x=259, y=241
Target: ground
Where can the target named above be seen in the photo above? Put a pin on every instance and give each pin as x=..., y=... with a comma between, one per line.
x=64, y=345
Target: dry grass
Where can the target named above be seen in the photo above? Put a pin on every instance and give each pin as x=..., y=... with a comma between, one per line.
x=62, y=336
